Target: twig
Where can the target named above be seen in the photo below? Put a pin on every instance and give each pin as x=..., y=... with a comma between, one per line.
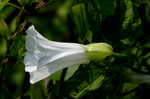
x=15, y=6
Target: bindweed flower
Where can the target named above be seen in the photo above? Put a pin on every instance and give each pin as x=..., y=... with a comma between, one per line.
x=45, y=57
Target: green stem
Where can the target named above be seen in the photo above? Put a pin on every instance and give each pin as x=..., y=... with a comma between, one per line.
x=120, y=54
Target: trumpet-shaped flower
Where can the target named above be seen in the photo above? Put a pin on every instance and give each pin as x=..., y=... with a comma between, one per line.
x=44, y=57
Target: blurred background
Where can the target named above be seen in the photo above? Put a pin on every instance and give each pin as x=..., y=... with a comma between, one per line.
x=122, y=23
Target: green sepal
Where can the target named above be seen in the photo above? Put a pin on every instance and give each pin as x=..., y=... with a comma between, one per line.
x=98, y=51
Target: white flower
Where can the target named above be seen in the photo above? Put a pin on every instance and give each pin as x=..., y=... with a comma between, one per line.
x=44, y=57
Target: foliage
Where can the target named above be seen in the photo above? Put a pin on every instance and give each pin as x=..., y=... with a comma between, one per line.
x=122, y=23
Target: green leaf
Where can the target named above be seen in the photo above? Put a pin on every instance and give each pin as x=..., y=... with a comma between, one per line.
x=132, y=27
x=84, y=80
x=3, y=27
x=15, y=76
x=6, y=12
x=81, y=22
x=147, y=9
x=96, y=83
x=148, y=61
x=79, y=16
x=93, y=86
x=64, y=9
x=18, y=47
x=147, y=45
x=14, y=24
x=105, y=7
x=18, y=74
x=129, y=14
x=3, y=3
x=38, y=91
x=129, y=86
x=70, y=71
x=56, y=76
x=89, y=36
x=3, y=46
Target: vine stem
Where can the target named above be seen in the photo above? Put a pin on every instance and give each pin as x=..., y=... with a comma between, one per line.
x=15, y=6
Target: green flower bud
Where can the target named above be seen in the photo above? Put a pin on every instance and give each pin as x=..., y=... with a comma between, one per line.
x=98, y=51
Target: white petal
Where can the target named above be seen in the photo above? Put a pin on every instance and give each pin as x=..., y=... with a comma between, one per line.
x=51, y=67
x=45, y=57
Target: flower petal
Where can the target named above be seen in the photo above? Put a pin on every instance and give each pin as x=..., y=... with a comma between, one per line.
x=45, y=57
